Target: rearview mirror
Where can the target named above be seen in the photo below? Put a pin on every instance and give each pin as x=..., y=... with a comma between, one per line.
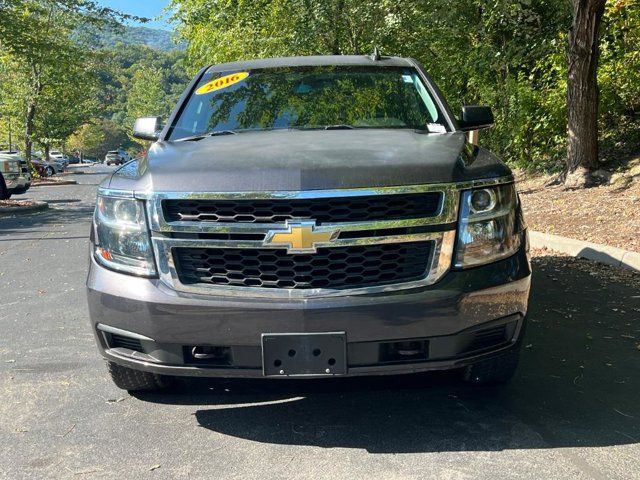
x=147, y=128
x=475, y=117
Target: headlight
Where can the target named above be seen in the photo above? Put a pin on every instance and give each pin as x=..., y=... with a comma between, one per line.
x=121, y=236
x=487, y=230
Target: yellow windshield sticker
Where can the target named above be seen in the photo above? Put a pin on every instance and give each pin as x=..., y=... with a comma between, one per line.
x=222, y=82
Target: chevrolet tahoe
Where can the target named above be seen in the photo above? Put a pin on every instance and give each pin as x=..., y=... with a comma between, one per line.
x=309, y=217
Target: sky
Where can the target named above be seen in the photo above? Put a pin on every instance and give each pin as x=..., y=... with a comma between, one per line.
x=142, y=8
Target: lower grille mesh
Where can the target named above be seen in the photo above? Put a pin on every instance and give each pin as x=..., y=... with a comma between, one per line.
x=120, y=341
x=489, y=337
x=336, y=268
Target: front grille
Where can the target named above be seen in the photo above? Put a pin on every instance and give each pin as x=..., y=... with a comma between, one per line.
x=323, y=210
x=335, y=268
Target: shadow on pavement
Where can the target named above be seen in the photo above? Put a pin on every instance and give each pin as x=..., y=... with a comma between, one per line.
x=577, y=385
x=20, y=225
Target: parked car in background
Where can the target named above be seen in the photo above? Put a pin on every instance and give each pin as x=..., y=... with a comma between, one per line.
x=59, y=157
x=10, y=179
x=50, y=167
x=117, y=157
x=58, y=165
x=40, y=167
x=25, y=174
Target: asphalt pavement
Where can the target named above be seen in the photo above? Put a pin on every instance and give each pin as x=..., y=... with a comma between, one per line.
x=572, y=412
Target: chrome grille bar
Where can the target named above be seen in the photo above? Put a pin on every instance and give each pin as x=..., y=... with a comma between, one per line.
x=169, y=235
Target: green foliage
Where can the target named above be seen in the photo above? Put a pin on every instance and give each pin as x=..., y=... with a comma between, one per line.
x=223, y=30
x=53, y=79
x=619, y=79
x=148, y=95
x=66, y=101
x=47, y=65
x=69, y=64
x=96, y=138
x=509, y=54
x=88, y=139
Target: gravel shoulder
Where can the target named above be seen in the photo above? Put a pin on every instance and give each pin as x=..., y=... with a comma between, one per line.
x=608, y=214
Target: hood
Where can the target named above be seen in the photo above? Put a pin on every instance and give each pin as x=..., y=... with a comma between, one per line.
x=307, y=160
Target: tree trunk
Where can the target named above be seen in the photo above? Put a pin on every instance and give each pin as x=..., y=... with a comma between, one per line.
x=47, y=149
x=28, y=131
x=337, y=28
x=582, y=89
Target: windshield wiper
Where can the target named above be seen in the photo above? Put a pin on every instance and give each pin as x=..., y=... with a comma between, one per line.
x=322, y=127
x=216, y=133
x=200, y=136
x=339, y=127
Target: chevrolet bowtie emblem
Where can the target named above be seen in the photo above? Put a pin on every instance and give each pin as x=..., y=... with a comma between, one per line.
x=300, y=237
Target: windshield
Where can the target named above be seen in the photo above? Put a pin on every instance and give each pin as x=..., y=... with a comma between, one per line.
x=308, y=97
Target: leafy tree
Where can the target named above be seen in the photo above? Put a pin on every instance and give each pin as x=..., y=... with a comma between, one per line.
x=66, y=102
x=219, y=30
x=497, y=49
x=147, y=95
x=13, y=89
x=116, y=69
x=96, y=138
x=619, y=79
x=88, y=140
x=43, y=53
x=38, y=50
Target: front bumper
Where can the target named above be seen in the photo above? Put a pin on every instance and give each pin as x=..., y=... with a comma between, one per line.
x=142, y=324
x=23, y=183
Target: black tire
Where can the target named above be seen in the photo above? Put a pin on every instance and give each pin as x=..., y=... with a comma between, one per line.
x=493, y=371
x=108, y=164
x=4, y=193
x=136, y=380
x=49, y=171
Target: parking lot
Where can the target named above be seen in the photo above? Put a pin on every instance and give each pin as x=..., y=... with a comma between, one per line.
x=571, y=412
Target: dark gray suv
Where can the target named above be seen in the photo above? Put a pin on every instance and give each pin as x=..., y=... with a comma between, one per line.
x=309, y=217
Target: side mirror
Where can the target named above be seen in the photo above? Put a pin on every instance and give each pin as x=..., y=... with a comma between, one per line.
x=147, y=128
x=475, y=117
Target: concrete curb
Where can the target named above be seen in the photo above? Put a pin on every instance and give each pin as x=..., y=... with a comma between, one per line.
x=592, y=251
x=38, y=207
x=54, y=184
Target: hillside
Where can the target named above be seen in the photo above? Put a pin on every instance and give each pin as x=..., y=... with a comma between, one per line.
x=151, y=37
